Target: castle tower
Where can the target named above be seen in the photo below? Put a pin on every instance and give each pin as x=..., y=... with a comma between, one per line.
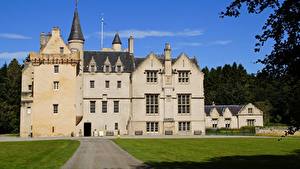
x=117, y=44
x=76, y=39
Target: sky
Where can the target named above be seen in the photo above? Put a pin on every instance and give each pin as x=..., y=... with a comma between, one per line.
x=190, y=26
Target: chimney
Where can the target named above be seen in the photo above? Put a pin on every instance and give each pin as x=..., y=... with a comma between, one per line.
x=130, y=45
x=167, y=52
x=168, y=62
x=43, y=40
x=55, y=32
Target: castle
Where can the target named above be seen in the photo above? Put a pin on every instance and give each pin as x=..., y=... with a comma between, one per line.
x=67, y=91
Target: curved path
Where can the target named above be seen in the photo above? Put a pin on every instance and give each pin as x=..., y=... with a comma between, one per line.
x=99, y=153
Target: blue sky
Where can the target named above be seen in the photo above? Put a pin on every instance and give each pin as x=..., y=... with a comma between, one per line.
x=191, y=26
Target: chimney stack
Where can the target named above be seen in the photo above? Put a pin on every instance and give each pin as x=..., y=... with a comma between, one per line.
x=130, y=45
x=167, y=51
x=43, y=40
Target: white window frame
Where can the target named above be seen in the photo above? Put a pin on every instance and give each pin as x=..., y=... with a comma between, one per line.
x=183, y=76
x=152, y=104
x=184, y=126
x=55, y=108
x=92, y=84
x=116, y=106
x=152, y=127
x=55, y=85
x=56, y=69
x=151, y=76
x=184, y=104
x=92, y=106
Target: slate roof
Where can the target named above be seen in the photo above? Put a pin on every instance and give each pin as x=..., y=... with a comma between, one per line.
x=100, y=57
x=117, y=39
x=234, y=109
x=76, y=32
x=138, y=61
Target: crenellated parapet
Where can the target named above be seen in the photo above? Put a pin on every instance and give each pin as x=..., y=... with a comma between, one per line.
x=38, y=59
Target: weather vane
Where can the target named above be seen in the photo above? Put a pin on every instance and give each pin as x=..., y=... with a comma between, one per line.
x=76, y=3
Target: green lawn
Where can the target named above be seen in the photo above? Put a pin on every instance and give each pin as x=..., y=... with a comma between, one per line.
x=36, y=154
x=216, y=153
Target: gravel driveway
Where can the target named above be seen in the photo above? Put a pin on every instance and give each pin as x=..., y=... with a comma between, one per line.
x=99, y=153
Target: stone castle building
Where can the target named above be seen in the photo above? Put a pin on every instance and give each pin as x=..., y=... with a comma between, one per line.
x=67, y=91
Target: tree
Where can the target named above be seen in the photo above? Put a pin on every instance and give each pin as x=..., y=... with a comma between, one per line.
x=10, y=96
x=282, y=64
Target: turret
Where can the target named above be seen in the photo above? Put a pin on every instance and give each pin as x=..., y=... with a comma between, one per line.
x=117, y=44
x=76, y=39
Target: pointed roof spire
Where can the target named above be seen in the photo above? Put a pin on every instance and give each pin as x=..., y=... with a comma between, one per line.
x=117, y=39
x=76, y=33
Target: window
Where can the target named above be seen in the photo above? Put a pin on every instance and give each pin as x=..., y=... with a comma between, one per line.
x=152, y=103
x=55, y=108
x=183, y=76
x=250, y=110
x=52, y=129
x=106, y=68
x=151, y=76
x=184, y=126
x=92, y=106
x=214, y=123
x=107, y=84
x=92, y=84
x=116, y=106
x=119, y=84
x=104, y=106
x=183, y=103
x=152, y=126
x=55, y=85
x=250, y=122
x=28, y=110
x=56, y=68
x=30, y=87
x=116, y=126
x=92, y=68
x=227, y=122
x=119, y=68
x=61, y=50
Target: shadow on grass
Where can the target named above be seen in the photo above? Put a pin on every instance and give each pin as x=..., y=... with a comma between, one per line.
x=236, y=162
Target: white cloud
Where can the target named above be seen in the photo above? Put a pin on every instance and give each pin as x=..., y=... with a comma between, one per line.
x=139, y=34
x=221, y=42
x=13, y=36
x=11, y=55
x=190, y=44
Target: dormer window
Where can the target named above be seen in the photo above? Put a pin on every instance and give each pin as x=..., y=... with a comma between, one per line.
x=106, y=68
x=93, y=68
x=119, y=68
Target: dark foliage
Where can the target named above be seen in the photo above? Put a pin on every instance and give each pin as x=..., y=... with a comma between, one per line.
x=10, y=96
x=282, y=64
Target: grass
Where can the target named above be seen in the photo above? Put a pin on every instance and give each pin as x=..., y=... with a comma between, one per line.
x=36, y=154
x=216, y=153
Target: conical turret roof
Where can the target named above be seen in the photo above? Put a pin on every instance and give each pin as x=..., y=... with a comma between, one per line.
x=117, y=39
x=76, y=33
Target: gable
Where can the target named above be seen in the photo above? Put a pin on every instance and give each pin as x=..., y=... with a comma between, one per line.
x=255, y=110
x=55, y=44
x=151, y=62
x=183, y=62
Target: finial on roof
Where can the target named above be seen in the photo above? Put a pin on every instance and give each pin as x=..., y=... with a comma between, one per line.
x=117, y=39
x=76, y=32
